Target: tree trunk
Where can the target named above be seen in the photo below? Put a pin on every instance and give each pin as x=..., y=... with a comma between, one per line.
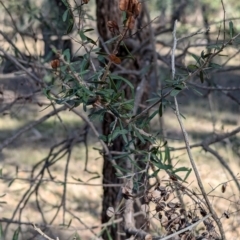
x=108, y=11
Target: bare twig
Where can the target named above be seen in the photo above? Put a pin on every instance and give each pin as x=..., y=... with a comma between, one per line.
x=200, y=184
x=42, y=233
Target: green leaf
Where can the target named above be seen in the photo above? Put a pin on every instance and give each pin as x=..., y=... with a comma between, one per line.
x=197, y=92
x=196, y=57
x=0, y=172
x=47, y=92
x=167, y=154
x=192, y=67
x=181, y=169
x=160, y=110
x=154, y=174
x=116, y=77
x=65, y=15
x=175, y=92
x=66, y=54
x=207, y=55
x=123, y=135
x=139, y=136
x=69, y=224
x=112, y=84
x=65, y=3
x=112, y=40
x=187, y=175
x=129, y=53
x=215, y=46
x=86, y=38
x=231, y=29
x=70, y=26
x=16, y=234
x=1, y=232
x=162, y=166
x=92, y=178
x=89, y=30
x=11, y=182
x=118, y=132
x=85, y=64
x=215, y=65
x=77, y=179
x=201, y=76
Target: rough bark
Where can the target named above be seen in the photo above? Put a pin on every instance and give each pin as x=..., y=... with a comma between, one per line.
x=108, y=11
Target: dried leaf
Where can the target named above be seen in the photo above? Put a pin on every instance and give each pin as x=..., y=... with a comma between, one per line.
x=160, y=206
x=55, y=63
x=148, y=237
x=137, y=9
x=226, y=215
x=113, y=27
x=114, y=59
x=224, y=186
x=171, y=205
x=130, y=22
x=123, y=5
x=166, y=196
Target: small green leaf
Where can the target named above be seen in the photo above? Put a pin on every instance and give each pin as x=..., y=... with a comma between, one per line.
x=196, y=57
x=16, y=234
x=86, y=38
x=215, y=65
x=192, y=67
x=197, y=92
x=116, y=77
x=66, y=54
x=187, y=175
x=118, y=132
x=65, y=3
x=154, y=174
x=201, y=76
x=231, y=29
x=112, y=84
x=65, y=15
x=160, y=110
x=69, y=224
x=92, y=178
x=11, y=182
x=89, y=30
x=175, y=92
x=70, y=26
x=77, y=179
x=1, y=232
x=207, y=55
x=214, y=46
